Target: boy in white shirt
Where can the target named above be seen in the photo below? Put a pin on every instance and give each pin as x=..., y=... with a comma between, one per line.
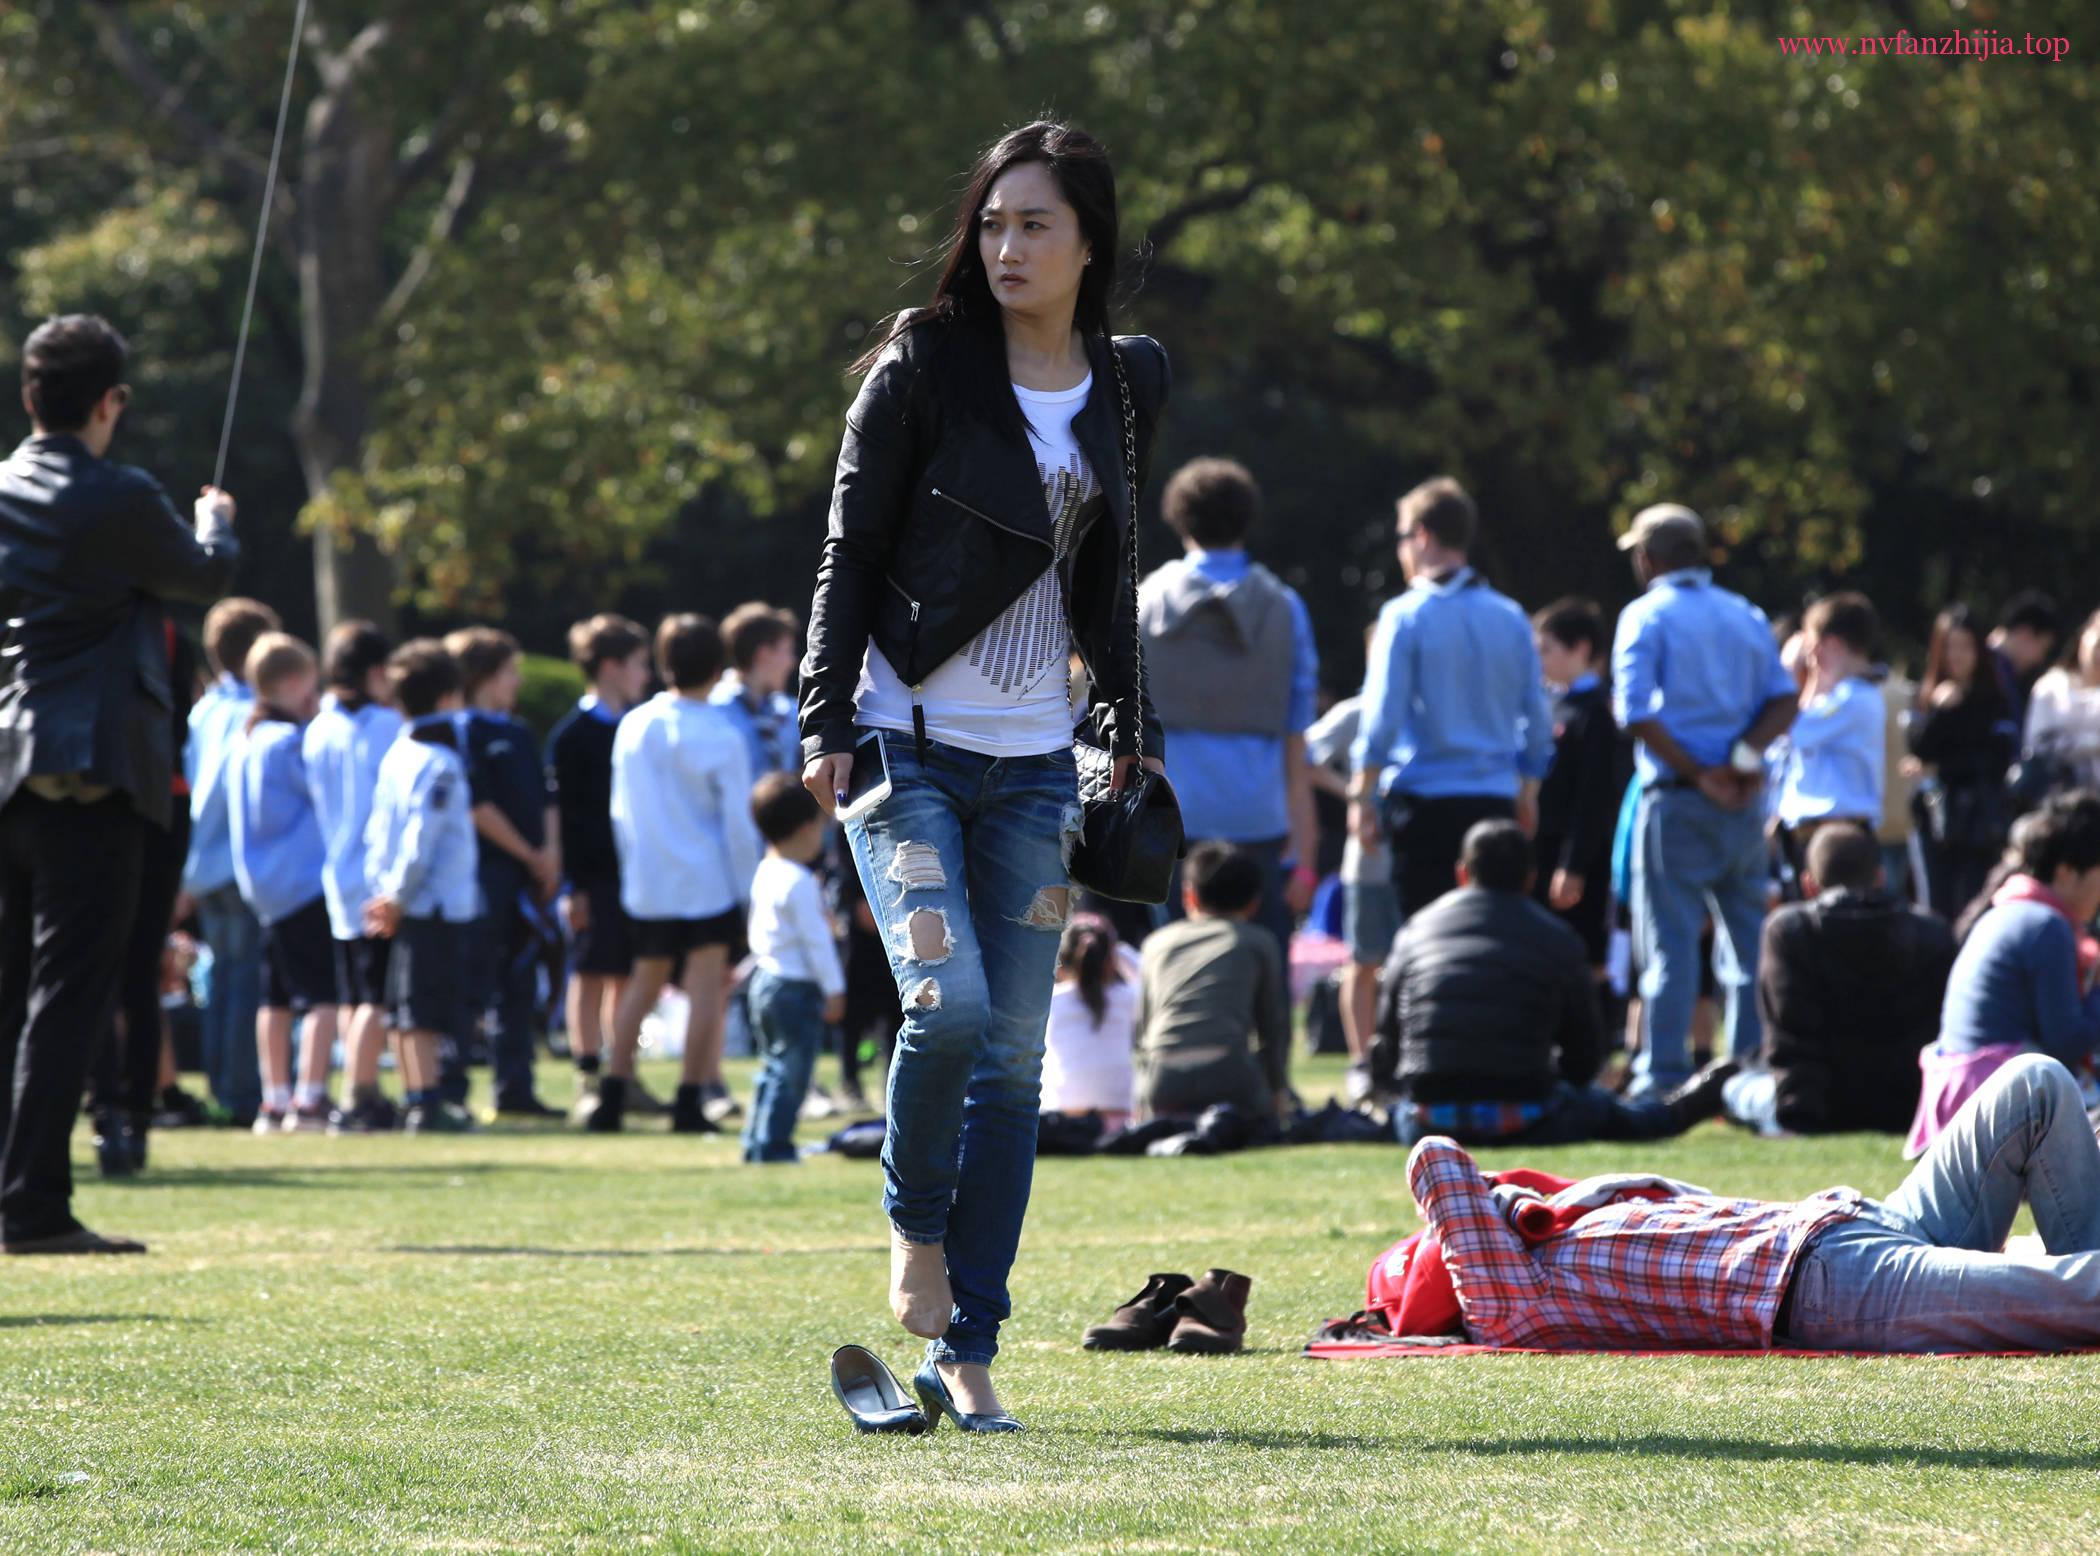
x=681, y=813
x=798, y=988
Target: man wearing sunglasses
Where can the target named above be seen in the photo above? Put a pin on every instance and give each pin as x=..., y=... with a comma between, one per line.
x=90, y=551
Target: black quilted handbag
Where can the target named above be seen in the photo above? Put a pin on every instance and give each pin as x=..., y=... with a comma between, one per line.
x=1130, y=837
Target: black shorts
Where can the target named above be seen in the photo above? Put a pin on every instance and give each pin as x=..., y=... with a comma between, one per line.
x=673, y=937
x=605, y=946
x=298, y=956
x=426, y=977
x=360, y=970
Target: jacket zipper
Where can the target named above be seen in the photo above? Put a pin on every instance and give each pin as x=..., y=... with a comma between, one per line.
x=1093, y=680
x=995, y=524
x=911, y=655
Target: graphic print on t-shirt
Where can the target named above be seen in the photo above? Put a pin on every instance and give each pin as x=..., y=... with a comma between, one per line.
x=1033, y=638
x=1005, y=692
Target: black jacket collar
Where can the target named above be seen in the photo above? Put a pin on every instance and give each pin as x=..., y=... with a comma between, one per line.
x=1006, y=482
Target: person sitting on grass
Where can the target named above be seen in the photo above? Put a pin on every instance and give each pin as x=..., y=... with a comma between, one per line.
x=278, y=857
x=1490, y=1005
x=1214, y=1013
x=1924, y=1270
x=798, y=988
x=681, y=813
x=1093, y=1024
x=422, y=867
x=2025, y=977
x=1849, y=984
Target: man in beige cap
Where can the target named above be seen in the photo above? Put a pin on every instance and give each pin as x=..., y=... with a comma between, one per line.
x=1698, y=684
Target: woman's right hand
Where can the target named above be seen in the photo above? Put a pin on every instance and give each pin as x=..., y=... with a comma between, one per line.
x=827, y=777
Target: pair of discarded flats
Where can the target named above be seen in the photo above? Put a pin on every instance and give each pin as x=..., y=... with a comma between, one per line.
x=1206, y=1317
x=876, y=1401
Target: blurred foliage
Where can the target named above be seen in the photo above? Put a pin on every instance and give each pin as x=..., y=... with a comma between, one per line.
x=547, y=690
x=1583, y=254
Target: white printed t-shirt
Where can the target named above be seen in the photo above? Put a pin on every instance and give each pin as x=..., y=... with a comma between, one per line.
x=1007, y=691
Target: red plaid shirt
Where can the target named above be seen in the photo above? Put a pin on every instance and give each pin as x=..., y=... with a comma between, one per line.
x=1689, y=1272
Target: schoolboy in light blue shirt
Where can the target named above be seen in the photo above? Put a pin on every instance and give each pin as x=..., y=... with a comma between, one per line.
x=422, y=866
x=344, y=746
x=760, y=643
x=1836, y=754
x=277, y=857
x=216, y=722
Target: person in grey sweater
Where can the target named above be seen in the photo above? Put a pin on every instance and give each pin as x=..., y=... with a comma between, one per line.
x=1214, y=1010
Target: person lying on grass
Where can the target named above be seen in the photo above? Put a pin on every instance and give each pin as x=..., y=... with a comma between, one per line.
x=1923, y=1270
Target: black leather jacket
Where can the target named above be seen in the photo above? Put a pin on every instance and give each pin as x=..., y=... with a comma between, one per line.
x=937, y=528
x=89, y=550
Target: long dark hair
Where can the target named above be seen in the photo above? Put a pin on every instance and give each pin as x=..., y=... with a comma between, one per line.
x=1087, y=951
x=976, y=377
x=1982, y=691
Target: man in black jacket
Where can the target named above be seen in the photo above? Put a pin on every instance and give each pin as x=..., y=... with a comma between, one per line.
x=89, y=550
x=1850, y=984
x=1489, y=1002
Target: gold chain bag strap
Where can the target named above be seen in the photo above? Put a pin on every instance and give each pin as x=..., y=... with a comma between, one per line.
x=1130, y=837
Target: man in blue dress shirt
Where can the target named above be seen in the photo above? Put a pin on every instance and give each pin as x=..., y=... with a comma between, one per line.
x=1456, y=728
x=1697, y=682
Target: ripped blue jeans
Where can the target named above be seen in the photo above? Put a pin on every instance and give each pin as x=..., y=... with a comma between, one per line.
x=964, y=867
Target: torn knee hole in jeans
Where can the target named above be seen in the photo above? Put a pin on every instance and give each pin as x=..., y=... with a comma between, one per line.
x=1050, y=909
x=926, y=995
x=926, y=937
x=1069, y=829
x=918, y=867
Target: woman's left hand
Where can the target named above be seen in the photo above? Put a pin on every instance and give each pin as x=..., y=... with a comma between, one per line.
x=1121, y=776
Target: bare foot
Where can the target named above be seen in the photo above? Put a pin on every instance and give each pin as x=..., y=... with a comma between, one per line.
x=919, y=1292
x=970, y=1386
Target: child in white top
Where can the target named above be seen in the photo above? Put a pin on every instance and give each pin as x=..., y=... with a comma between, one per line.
x=798, y=988
x=681, y=815
x=1093, y=1024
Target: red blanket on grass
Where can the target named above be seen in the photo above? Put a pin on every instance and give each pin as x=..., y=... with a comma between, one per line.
x=1442, y=1345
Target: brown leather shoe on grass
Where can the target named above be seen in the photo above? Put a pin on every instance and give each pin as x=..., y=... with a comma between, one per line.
x=1145, y=1322
x=1211, y=1316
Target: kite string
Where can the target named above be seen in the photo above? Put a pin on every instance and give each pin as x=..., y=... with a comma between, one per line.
x=262, y=227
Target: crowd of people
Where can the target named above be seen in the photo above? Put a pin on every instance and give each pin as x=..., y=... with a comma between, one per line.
x=1757, y=842
x=1538, y=838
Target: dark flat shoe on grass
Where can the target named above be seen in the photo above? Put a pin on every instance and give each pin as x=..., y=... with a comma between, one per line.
x=871, y=1393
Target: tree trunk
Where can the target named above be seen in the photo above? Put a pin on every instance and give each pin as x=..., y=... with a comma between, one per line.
x=346, y=191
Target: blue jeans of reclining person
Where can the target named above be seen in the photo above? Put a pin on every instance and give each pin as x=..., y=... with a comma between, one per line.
x=1923, y=1271
x=964, y=867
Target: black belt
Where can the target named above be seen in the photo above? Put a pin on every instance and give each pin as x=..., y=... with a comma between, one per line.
x=1674, y=781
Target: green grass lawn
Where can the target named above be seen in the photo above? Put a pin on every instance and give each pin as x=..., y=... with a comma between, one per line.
x=538, y=1341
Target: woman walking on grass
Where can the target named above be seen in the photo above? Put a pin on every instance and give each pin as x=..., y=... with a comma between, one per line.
x=978, y=531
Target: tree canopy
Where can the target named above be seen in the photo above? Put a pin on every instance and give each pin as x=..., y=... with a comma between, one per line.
x=1582, y=254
